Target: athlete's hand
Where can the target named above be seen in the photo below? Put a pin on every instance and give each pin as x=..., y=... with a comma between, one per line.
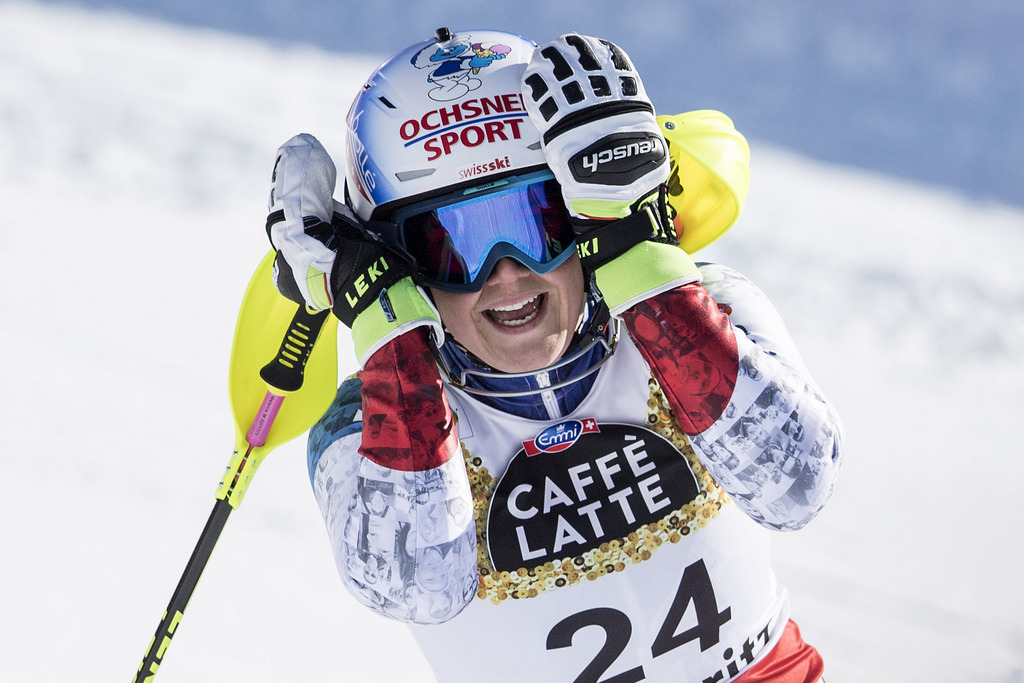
x=374, y=294
x=301, y=208
x=365, y=266
x=599, y=132
x=604, y=145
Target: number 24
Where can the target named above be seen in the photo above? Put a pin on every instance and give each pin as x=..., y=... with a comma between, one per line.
x=695, y=587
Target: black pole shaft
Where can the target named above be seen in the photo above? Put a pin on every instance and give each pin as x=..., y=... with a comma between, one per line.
x=284, y=372
x=183, y=592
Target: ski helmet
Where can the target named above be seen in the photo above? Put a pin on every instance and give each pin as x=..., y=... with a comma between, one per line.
x=443, y=124
x=443, y=113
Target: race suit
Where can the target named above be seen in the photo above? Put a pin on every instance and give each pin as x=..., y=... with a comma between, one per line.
x=618, y=533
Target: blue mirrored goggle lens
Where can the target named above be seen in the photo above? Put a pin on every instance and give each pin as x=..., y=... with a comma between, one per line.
x=457, y=244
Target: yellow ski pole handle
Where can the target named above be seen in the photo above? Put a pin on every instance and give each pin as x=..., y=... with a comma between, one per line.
x=262, y=420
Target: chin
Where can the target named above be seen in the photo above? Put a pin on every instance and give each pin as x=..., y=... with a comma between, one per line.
x=530, y=362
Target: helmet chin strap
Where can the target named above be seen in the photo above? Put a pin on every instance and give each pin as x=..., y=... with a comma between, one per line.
x=593, y=332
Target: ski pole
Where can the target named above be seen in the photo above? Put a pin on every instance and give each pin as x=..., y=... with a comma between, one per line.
x=259, y=391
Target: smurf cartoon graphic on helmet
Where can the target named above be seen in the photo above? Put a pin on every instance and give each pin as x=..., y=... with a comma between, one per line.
x=442, y=113
x=454, y=65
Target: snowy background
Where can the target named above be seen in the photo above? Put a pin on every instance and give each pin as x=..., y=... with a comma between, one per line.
x=134, y=162
x=922, y=89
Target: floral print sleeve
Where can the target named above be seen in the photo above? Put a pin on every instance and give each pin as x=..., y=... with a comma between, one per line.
x=398, y=506
x=742, y=394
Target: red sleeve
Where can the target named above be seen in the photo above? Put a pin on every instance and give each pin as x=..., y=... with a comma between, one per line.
x=691, y=348
x=407, y=422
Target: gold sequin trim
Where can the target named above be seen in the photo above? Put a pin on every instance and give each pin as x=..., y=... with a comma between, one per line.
x=611, y=556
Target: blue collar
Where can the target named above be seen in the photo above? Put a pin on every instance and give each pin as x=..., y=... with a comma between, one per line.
x=546, y=394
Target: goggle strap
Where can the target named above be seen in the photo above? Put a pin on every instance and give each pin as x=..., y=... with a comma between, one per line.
x=598, y=242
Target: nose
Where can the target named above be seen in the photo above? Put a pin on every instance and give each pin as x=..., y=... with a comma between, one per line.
x=506, y=270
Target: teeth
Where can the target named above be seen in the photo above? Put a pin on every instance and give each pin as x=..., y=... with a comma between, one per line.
x=506, y=315
x=514, y=307
x=517, y=323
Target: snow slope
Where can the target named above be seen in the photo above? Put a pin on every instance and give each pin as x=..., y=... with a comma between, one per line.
x=135, y=161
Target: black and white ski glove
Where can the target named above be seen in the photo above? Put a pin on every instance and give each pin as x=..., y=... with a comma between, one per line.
x=600, y=135
x=373, y=288
x=301, y=209
x=328, y=258
x=604, y=145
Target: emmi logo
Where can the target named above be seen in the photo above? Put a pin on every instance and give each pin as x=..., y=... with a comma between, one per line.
x=557, y=438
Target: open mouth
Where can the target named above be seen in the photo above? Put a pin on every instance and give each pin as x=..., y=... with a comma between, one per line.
x=517, y=314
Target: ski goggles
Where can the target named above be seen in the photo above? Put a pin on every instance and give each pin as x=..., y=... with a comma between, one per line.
x=458, y=238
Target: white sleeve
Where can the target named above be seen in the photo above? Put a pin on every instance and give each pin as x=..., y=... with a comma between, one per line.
x=777, y=448
x=404, y=542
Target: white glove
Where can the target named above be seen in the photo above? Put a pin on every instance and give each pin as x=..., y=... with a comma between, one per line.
x=301, y=208
x=600, y=136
